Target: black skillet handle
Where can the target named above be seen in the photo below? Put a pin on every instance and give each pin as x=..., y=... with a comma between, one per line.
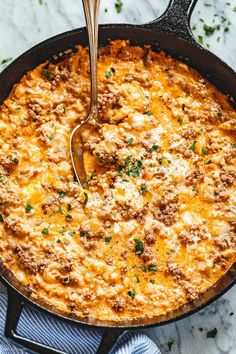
x=176, y=20
x=14, y=309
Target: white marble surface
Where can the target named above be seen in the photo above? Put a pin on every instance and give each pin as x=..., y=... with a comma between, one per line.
x=23, y=23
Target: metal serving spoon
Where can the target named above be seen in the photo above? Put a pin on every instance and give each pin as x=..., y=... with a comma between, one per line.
x=91, y=8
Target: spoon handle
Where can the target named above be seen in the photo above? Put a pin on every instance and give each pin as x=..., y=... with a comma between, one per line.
x=91, y=9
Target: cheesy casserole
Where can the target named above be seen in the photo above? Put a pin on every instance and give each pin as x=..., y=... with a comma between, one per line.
x=155, y=226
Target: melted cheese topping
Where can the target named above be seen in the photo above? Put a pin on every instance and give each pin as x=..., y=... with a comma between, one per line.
x=156, y=226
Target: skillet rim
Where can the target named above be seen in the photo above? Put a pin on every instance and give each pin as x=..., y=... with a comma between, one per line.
x=33, y=303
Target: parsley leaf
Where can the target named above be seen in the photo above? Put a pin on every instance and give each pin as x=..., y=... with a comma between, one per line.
x=85, y=199
x=152, y=268
x=180, y=120
x=68, y=217
x=108, y=74
x=1, y=218
x=129, y=142
x=131, y=293
x=204, y=151
x=137, y=278
x=108, y=239
x=192, y=147
x=6, y=60
x=148, y=113
x=62, y=195
x=139, y=246
x=28, y=208
x=45, y=231
x=153, y=148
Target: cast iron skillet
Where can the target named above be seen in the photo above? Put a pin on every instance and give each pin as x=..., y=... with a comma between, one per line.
x=171, y=32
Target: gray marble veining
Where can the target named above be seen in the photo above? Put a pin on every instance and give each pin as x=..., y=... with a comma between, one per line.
x=24, y=23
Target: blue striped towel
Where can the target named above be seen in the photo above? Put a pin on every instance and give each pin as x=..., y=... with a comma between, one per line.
x=69, y=338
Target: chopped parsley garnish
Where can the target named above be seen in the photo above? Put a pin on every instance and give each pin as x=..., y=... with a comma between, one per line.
x=194, y=188
x=1, y=179
x=169, y=344
x=51, y=137
x=204, y=151
x=69, y=207
x=137, y=278
x=207, y=162
x=118, y=6
x=1, y=218
x=4, y=61
x=152, y=281
x=160, y=160
x=108, y=239
x=58, y=241
x=152, y=268
x=154, y=148
x=144, y=268
x=180, y=120
x=233, y=145
x=59, y=210
x=219, y=114
x=131, y=168
x=108, y=74
x=18, y=108
x=68, y=217
x=28, y=208
x=82, y=233
x=16, y=160
x=200, y=329
x=212, y=333
x=62, y=195
x=231, y=313
x=47, y=74
x=148, y=113
x=139, y=246
x=129, y=142
x=143, y=189
x=131, y=293
x=192, y=147
x=85, y=199
x=45, y=231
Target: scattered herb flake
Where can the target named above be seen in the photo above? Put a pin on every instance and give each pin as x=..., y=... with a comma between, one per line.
x=58, y=241
x=200, y=329
x=233, y=145
x=180, y=120
x=170, y=344
x=152, y=281
x=148, y=113
x=108, y=239
x=1, y=218
x=231, y=313
x=18, y=108
x=28, y=208
x=219, y=114
x=152, y=268
x=118, y=6
x=200, y=39
x=45, y=231
x=69, y=207
x=51, y=137
x=209, y=30
x=160, y=160
x=212, y=333
x=6, y=60
x=137, y=278
x=69, y=217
